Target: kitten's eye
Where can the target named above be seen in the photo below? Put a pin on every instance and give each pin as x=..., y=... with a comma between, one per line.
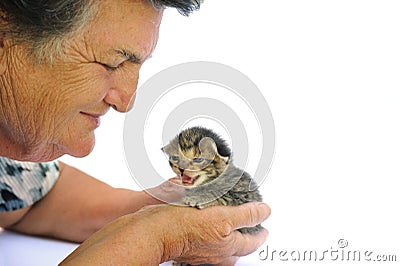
x=174, y=158
x=198, y=160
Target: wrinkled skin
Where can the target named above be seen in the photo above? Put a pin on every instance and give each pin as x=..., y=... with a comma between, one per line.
x=49, y=110
x=210, y=238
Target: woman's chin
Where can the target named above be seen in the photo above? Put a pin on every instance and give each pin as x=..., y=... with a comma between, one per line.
x=81, y=148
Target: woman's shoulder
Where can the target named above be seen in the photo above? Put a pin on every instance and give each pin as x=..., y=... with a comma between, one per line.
x=24, y=183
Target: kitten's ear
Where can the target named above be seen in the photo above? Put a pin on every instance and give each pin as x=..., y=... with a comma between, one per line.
x=168, y=149
x=165, y=149
x=208, y=148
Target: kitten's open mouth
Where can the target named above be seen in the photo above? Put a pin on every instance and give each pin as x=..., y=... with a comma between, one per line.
x=188, y=180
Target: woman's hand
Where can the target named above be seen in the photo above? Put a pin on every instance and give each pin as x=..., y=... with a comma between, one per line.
x=157, y=234
x=210, y=235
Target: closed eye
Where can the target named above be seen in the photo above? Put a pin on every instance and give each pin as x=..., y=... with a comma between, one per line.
x=110, y=68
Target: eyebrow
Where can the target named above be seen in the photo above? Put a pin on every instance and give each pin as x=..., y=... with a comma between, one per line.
x=130, y=56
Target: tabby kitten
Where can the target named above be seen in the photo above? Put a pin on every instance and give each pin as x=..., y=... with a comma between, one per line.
x=203, y=161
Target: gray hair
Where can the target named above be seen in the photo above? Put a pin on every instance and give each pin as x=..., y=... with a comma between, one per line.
x=45, y=25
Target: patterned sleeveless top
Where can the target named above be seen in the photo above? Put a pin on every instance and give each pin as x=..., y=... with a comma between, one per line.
x=24, y=183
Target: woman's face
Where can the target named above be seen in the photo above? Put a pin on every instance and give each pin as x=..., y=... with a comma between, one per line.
x=50, y=110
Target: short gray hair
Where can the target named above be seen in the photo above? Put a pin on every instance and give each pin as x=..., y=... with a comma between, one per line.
x=45, y=25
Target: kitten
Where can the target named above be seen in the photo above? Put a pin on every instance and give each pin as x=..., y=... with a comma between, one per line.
x=203, y=161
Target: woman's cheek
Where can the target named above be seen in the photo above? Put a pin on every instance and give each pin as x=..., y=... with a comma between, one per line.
x=84, y=78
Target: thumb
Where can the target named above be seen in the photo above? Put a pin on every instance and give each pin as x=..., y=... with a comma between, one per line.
x=249, y=214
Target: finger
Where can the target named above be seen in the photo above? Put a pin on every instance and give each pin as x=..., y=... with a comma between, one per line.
x=249, y=214
x=148, y=208
x=175, y=180
x=246, y=244
x=168, y=192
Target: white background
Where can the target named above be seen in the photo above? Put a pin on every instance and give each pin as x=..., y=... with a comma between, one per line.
x=330, y=73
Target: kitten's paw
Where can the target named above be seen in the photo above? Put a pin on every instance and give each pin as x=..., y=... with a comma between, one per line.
x=199, y=203
x=205, y=205
x=192, y=202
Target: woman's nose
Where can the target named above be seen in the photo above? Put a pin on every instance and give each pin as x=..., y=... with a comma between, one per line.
x=121, y=95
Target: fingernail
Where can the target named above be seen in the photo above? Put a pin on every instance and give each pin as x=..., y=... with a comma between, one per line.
x=262, y=205
x=265, y=208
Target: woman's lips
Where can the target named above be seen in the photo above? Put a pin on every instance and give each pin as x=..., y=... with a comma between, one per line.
x=94, y=118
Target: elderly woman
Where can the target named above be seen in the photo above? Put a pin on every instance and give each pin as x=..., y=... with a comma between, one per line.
x=63, y=65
